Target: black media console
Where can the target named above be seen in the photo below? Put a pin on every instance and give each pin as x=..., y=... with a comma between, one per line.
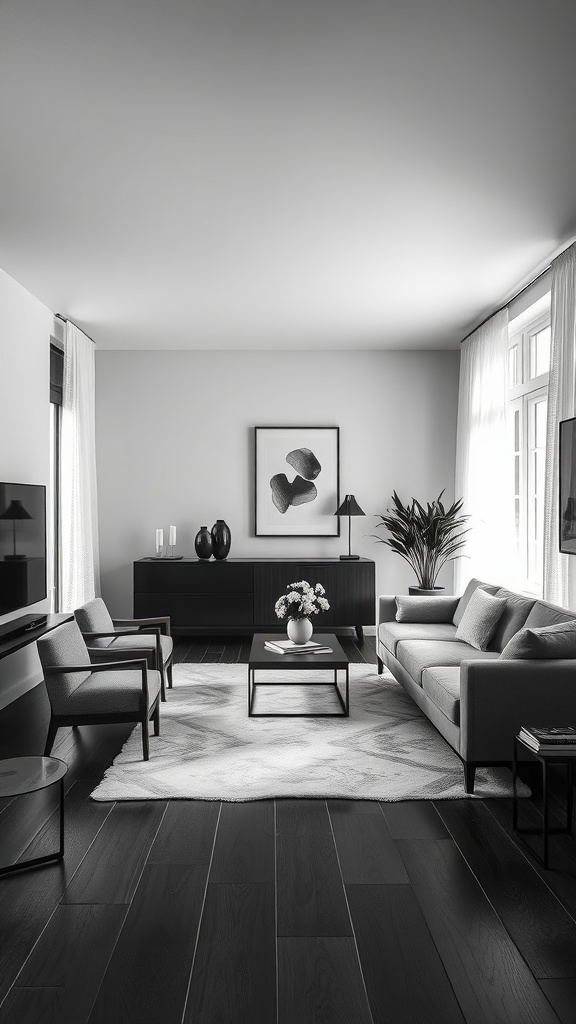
x=237, y=595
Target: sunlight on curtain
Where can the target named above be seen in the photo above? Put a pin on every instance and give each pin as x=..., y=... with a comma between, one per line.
x=560, y=570
x=79, y=517
x=483, y=464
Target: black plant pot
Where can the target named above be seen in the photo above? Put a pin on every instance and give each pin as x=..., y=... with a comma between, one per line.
x=221, y=539
x=421, y=592
x=203, y=542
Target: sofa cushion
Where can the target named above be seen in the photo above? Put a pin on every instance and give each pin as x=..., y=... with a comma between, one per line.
x=463, y=602
x=442, y=686
x=417, y=655
x=480, y=618
x=389, y=633
x=544, y=614
x=512, y=619
x=556, y=641
x=425, y=609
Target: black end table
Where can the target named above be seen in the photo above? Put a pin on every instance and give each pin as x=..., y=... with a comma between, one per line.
x=261, y=658
x=21, y=775
x=547, y=757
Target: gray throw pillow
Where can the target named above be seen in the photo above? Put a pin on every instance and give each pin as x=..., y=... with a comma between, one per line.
x=425, y=609
x=557, y=641
x=480, y=618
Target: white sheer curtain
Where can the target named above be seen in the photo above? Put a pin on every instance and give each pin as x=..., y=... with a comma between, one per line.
x=79, y=515
x=483, y=462
x=559, y=570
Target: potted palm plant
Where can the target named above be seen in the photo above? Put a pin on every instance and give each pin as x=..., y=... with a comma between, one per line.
x=424, y=536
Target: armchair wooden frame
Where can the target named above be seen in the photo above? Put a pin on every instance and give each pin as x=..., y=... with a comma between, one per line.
x=108, y=717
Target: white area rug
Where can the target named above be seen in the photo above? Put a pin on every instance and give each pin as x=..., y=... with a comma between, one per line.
x=210, y=750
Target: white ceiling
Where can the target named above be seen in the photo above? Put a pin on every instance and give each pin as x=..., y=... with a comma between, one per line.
x=284, y=173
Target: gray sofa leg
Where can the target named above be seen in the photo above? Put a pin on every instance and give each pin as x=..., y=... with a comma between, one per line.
x=380, y=665
x=469, y=773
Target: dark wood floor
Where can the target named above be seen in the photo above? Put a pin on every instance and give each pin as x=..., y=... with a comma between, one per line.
x=290, y=911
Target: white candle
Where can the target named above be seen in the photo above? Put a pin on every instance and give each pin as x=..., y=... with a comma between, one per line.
x=172, y=536
x=159, y=538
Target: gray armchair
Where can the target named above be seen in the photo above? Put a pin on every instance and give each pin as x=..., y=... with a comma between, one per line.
x=127, y=638
x=83, y=693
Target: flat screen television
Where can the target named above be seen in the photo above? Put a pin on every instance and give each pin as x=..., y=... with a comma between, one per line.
x=567, y=463
x=22, y=545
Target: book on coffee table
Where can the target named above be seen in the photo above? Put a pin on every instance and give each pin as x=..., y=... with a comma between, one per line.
x=289, y=647
x=548, y=737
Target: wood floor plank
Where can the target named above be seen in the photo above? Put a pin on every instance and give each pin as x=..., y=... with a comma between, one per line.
x=311, y=898
x=490, y=979
x=36, y=1006
x=561, y=993
x=404, y=975
x=27, y=900
x=72, y=955
x=366, y=850
x=542, y=930
x=113, y=865
x=23, y=820
x=232, y=652
x=244, y=849
x=186, y=835
x=337, y=807
x=319, y=979
x=147, y=977
x=196, y=652
x=234, y=975
x=562, y=876
x=414, y=819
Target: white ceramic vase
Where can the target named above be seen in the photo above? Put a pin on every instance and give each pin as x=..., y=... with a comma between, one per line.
x=299, y=630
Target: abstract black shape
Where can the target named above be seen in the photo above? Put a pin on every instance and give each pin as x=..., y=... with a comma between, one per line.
x=285, y=494
x=281, y=492
x=303, y=491
x=304, y=462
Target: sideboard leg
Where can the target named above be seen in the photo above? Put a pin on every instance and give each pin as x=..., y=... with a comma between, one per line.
x=360, y=633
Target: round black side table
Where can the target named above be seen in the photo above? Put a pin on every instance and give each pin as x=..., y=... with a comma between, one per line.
x=21, y=775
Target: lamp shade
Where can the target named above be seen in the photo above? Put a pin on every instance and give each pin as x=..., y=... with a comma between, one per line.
x=349, y=507
x=15, y=510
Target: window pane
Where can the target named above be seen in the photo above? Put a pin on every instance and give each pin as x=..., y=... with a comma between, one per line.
x=540, y=352
x=540, y=426
x=517, y=430
x=513, y=366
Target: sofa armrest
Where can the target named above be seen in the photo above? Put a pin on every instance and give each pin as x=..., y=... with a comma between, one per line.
x=387, y=608
x=498, y=697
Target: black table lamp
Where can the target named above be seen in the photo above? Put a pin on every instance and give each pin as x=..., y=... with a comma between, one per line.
x=15, y=512
x=349, y=507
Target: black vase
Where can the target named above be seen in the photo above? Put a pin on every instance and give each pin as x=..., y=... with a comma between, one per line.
x=221, y=539
x=203, y=542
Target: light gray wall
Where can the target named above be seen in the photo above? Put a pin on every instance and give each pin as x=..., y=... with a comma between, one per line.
x=175, y=445
x=25, y=326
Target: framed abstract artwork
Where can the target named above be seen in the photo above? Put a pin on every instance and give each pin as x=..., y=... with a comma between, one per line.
x=297, y=481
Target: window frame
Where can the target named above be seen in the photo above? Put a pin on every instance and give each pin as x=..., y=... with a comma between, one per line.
x=522, y=396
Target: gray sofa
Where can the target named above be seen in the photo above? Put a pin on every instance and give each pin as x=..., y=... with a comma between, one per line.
x=476, y=699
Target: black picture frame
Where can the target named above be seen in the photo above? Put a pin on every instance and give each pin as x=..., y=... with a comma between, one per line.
x=296, y=498
x=567, y=486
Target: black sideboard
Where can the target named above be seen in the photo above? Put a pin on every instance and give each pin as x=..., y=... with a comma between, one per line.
x=237, y=595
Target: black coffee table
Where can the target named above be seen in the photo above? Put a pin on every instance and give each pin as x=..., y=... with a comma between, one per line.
x=261, y=659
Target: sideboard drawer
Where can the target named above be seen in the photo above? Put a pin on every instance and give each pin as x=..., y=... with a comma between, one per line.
x=193, y=577
x=197, y=609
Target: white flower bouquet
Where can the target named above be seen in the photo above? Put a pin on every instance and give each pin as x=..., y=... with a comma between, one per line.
x=301, y=600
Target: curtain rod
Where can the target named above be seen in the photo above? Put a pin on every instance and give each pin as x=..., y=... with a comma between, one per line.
x=506, y=304
x=67, y=320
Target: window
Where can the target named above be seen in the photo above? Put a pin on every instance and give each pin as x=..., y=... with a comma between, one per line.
x=53, y=511
x=528, y=365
